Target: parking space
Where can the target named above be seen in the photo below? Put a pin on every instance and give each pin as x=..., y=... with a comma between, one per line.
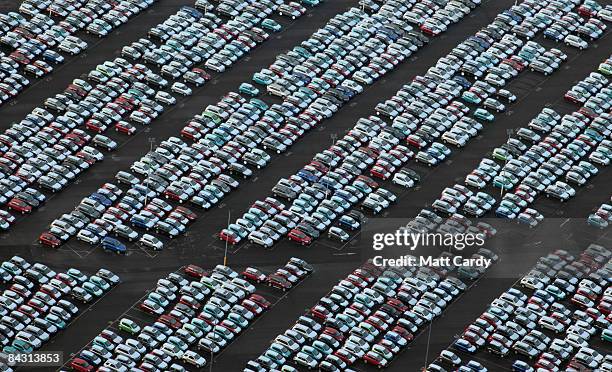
x=39, y=303
x=128, y=114
x=207, y=310
x=560, y=335
x=334, y=114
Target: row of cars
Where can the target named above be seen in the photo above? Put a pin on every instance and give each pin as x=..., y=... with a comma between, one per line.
x=225, y=121
x=186, y=41
x=142, y=79
x=550, y=321
x=37, y=34
x=195, y=309
x=574, y=30
x=413, y=104
x=548, y=157
x=122, y=94
x=602, y=217
x=118, y=90
x=370, y=315
x=38, y=302
x=111, y=211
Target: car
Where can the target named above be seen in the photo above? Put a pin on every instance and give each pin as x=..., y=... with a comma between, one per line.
x=483, y=114
x=299, y=237
x=193, y=358
x=575, y=41
x=165, y=97
x=129, y=326
x=181, y=89
x=48, y=239
x=113, y=245
x=248, y=89
x=271, y=25
x=150, y=241
x=336, y=233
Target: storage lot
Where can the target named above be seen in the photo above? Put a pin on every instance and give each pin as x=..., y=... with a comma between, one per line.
x=140, y=268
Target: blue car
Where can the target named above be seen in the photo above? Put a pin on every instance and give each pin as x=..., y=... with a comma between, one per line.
x=465, y=83
x=521, y=366
x=113, y=245
x=504, y=212
x=307, y=175
x=53, y=57
x=464, y=345
x=349, y=222
x=101, y=199
x=553, y=34
x=90, y=357
x=192, y=11
x=142, y=222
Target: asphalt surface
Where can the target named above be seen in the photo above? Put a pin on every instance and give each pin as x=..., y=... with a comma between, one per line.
x=140, y=269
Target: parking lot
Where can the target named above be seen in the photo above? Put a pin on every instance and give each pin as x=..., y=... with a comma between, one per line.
x=140, y=267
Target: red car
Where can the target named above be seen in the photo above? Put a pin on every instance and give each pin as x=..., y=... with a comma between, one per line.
x=81, y=365
x=299, y=237
x=46, y=238
x=205, y=75
x=125, y=128
x=189, y=301
x=334, y=333
x=195, y=271
x=254, y=274
x=19, y=205
x=260, y=300
x=147, y=308
x=170, y=321
x=375, y=359
x=19, y=58
x=585, y=10
x=319, y=312
x=191, y=133
x=404, y=333
x=345, y=356
x=605, y=307
x=368, y=181
x=190, y=215
x=252, y=306
x=228, y=236
x=208, y=318
x=279, y=282
x=397, y=305
x=379, y=172
x=95, y=125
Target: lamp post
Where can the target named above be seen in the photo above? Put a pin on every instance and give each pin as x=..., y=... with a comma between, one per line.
x=229, y=212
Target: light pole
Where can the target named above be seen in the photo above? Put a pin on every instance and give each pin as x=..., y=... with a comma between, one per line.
x=229, y=213
x=151, y=140
x=211, y=360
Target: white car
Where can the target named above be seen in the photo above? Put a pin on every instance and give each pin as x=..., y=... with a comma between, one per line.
x=152, y=242
x=215, y=65
x=88, y=237
x=475, y=181
x=402, y=179
x=576, y=42
x=194, y=358
x=260, y=238
x=140, y=117
x=69, y=47
x=181, y=88
x=552, y=324
x=165, y=97
x=606, y=13
x=455, y=138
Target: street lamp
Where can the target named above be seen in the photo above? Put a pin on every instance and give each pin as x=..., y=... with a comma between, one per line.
x=229, y=212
